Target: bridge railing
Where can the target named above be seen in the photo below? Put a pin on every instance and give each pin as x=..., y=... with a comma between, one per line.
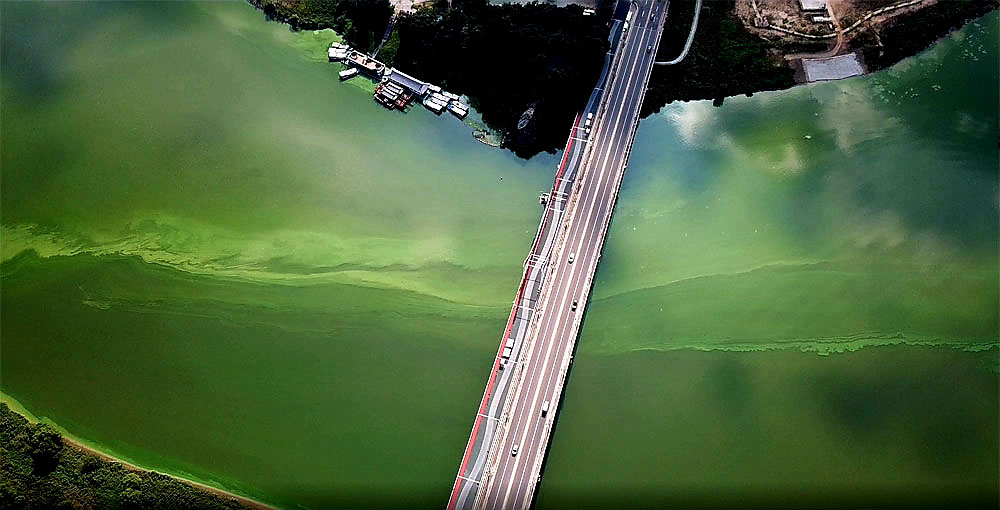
x=462, y=478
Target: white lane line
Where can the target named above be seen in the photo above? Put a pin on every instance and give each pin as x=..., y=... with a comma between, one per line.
x=622, y=95
x=604, y=194
x=618, y=97
x=616, y=136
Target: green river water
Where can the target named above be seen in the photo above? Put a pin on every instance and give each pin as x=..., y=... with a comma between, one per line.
x=222, y=263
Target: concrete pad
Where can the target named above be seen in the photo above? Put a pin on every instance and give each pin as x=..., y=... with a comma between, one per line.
x=832, y=68
x=812, y=5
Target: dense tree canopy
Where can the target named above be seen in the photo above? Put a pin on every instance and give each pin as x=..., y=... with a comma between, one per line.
x=508, y=58
x=360, y=22
x=38, y=472
x=46, y=444
x=913, y=32
x=725, y=59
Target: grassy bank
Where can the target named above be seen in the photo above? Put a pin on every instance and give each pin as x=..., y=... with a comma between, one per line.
x=43, y=469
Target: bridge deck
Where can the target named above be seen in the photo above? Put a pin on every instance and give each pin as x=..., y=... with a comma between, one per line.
x=541, y=330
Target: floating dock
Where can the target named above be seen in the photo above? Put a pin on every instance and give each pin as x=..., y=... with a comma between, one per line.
x=365, y=64
x=396, y=89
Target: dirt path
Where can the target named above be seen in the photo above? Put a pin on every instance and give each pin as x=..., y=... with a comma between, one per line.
x=838, y=45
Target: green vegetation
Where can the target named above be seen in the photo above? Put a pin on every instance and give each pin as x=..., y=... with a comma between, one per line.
x=912, y=33
x=510, y=58
x=361, y=22
x=38, y=471
x=507, y=59
x=725, y=59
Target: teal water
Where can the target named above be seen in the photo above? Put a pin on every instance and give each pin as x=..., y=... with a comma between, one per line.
x=220, y=262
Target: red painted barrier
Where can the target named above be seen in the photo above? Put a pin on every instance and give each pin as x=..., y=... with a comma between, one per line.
x=510, y=322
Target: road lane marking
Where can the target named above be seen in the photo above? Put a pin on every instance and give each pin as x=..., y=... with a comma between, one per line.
x=567, y=283
x=623, y=95
x=605, y=197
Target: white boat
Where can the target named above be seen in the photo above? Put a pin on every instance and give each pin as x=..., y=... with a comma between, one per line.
x=440, y=98
x=433, y=105
x=459, y=109
x=336, y=54
x=347, y=74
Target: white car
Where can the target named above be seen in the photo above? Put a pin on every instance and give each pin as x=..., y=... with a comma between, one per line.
x=572, y=256
x=513, y=451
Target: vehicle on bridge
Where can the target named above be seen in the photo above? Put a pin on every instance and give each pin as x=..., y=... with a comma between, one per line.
x=513, y=451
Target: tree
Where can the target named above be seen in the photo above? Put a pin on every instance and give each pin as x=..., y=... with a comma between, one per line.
x=46, y=444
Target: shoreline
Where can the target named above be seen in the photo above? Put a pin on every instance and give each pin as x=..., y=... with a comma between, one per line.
x=252, y=503
x=758, y=47
x=80, y=444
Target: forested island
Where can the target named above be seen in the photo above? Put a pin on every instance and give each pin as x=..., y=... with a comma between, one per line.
x=39, y=471
x=509, y=58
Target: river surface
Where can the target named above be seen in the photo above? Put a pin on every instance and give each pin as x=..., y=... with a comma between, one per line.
x=220, y=262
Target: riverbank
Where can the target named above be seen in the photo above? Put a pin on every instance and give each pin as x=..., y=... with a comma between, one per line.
x=184, y=330
x=740, y=49
x=507, y=58
x=731, y=56
x=10, y=426
x=360, y=23
x=913, y=32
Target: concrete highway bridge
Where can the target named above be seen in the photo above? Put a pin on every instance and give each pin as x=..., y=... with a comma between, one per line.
x=503, y=459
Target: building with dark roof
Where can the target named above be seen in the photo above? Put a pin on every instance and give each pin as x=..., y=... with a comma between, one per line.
x=417, y=87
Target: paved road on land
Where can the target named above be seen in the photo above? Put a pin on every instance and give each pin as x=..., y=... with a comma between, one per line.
x=511, y=480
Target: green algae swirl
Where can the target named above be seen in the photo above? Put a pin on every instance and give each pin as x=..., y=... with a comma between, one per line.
x=219, y=261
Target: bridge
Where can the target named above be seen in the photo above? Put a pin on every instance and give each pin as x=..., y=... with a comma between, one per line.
x=502, y=463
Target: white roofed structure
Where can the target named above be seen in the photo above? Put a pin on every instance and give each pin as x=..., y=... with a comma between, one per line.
x=812, y=5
